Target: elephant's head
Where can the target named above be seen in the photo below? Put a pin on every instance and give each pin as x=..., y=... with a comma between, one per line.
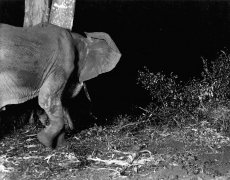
x=97, y=54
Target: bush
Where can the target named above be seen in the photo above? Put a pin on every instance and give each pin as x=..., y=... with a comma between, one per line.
x=178, y=102
x=217, y=76
x=167, y=102
x=164, y=91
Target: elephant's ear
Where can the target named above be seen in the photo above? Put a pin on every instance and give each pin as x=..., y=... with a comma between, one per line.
x=101, y=55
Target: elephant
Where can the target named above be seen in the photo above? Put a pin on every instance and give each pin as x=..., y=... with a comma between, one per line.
x=41, y=61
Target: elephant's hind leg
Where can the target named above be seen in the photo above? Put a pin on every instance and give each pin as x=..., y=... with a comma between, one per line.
x=50, y=100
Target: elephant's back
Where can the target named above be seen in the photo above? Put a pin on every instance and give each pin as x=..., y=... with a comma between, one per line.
x=27, y=53
x=24, y=47
x=25, y=57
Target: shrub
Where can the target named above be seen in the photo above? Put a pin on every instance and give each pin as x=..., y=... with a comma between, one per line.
x=176, y=101
x=217, y=76
x=166, y=93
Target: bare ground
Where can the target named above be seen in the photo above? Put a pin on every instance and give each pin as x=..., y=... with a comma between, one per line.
x=126, y=151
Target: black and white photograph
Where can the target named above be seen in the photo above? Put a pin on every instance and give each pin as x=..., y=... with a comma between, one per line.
x=114, y=89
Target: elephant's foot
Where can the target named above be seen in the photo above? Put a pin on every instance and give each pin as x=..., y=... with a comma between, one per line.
x=61, y=140
x=45, y=138
x=52, y=136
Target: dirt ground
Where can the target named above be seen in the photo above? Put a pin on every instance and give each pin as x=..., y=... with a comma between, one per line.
x=122, y=152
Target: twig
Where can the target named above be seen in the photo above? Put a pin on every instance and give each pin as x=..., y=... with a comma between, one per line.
x=110, y=161
x=144, y=109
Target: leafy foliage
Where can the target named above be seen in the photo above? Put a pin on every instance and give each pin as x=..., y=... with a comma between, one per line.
x=165, y=91
x=177, y=102
x=216, y=76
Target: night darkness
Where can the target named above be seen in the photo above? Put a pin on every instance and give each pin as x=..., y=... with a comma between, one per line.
x=168, y=36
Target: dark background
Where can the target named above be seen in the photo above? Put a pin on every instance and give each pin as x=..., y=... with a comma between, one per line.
x=168, y=36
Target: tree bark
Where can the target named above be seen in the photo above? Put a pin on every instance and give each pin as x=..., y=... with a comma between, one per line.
x=36, y=11
x=62, y=13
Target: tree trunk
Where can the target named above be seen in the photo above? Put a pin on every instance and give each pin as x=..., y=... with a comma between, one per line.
x=62, y=13
x=36, y=11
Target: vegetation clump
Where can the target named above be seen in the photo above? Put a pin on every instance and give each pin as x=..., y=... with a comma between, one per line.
x=178, y=103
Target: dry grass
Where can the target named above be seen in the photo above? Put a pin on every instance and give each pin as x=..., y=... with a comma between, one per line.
x=127, y=150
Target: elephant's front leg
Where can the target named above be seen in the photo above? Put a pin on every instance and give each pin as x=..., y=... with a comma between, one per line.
x=50, y=100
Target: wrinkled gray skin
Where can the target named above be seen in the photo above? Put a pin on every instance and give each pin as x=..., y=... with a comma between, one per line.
x=38, y=61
